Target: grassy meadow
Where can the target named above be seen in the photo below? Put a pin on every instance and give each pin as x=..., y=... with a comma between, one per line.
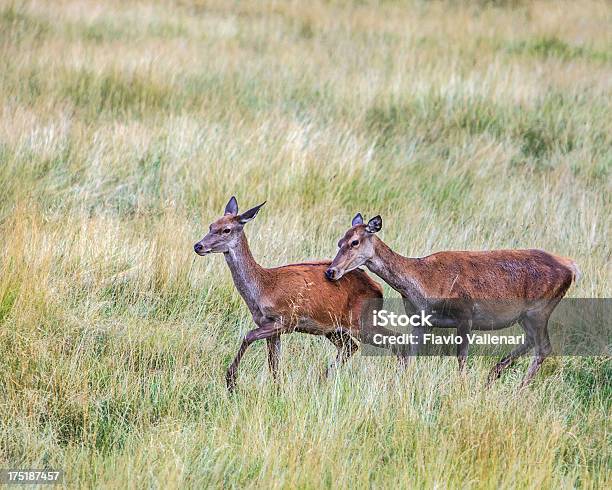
x=126, y=126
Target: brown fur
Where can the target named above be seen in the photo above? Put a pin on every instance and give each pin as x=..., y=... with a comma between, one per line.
x=528, y=274
x=300, y=292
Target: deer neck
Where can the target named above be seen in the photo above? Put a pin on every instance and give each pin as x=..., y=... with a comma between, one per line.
x=246, y=272
x=401, y=273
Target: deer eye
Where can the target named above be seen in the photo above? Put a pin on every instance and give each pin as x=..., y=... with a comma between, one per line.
x=354, y=243
x=226, y=231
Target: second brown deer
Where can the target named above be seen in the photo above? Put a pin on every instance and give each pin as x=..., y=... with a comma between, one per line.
x=488, y=290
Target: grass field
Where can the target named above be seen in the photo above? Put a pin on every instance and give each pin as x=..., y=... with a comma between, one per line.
x=124, y=129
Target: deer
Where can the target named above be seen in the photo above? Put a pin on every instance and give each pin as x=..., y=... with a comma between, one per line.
x=289, y=298
x=487, y=290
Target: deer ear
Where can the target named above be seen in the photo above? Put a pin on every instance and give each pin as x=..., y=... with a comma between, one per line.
x=357, y=220
x=250, y=214
x=374, y=225
x=231, y=208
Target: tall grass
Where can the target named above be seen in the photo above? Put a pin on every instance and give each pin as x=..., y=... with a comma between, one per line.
x=125, y=127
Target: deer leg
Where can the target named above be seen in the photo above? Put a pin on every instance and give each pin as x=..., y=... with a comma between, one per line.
x=346, y=348
x=274, y=347
x=266, y=331
x=419, y=334
x=538, y=327
x=375, y=335
x=507, y=361
x=462, y=349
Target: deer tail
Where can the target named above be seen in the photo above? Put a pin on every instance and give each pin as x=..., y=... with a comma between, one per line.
x=573, y=266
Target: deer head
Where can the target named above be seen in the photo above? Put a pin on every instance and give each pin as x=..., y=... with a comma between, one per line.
x=356, y=247
x=223, y=233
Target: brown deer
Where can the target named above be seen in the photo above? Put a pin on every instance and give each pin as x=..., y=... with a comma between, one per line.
x=488, y=290
x=291, y=298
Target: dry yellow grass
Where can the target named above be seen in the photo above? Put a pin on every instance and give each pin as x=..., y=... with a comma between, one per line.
x=125, y=127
